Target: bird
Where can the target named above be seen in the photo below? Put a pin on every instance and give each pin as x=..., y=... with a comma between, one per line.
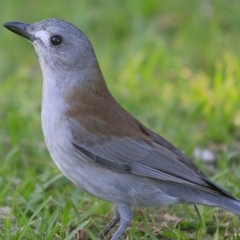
x=97, y=144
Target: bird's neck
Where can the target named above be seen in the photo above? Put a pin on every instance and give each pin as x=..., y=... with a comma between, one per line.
x=61, y=85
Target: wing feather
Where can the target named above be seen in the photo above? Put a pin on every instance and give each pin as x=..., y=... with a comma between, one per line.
x=150, y=156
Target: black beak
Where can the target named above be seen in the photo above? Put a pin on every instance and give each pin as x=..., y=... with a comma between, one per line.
x=20, y=29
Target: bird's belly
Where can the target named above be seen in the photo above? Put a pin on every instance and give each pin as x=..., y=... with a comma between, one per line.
x=102, y=182
x=106, y=184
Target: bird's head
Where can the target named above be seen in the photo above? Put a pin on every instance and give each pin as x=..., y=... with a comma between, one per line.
x=61, y=47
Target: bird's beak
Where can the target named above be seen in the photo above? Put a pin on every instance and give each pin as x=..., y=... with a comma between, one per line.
x=20, y=29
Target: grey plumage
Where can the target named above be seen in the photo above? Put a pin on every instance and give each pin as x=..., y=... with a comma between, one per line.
x=97, y=144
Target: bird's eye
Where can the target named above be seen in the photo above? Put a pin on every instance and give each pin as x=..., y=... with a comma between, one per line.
x=56, y=40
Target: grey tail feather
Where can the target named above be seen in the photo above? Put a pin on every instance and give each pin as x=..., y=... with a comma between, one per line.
x=217, y=197
x=230, y=204
x=219, y=189
x=224, y=199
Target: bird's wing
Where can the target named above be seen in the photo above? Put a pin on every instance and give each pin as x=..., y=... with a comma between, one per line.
x=151, y=156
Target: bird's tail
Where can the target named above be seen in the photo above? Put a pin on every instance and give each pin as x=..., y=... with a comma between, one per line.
x=216, y=198
x=230, y=204
x=224, y=199
x=227, y=202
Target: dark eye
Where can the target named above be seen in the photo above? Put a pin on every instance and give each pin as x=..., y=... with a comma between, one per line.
x=56, y=40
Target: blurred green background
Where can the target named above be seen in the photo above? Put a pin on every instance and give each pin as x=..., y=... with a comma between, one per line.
x=173, y=64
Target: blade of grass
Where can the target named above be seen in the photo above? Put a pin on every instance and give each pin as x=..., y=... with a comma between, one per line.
x=36, y=212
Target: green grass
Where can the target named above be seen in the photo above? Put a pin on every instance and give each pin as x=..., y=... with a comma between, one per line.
x=172, y=64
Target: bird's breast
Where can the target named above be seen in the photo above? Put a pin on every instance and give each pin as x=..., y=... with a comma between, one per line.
x=55, y=130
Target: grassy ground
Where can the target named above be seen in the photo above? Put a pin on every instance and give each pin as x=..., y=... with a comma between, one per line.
x=173, y=64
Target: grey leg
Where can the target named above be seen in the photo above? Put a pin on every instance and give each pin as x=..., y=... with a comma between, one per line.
x=126, y=217
x=112, y=223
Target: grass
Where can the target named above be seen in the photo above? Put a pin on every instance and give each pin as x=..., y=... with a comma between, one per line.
x=172, y=64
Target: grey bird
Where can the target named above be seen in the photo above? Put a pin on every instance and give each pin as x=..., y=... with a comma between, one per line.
x=98, y=145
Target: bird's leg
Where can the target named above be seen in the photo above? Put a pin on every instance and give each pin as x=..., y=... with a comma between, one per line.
x=110, y=225
x=126, y=217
